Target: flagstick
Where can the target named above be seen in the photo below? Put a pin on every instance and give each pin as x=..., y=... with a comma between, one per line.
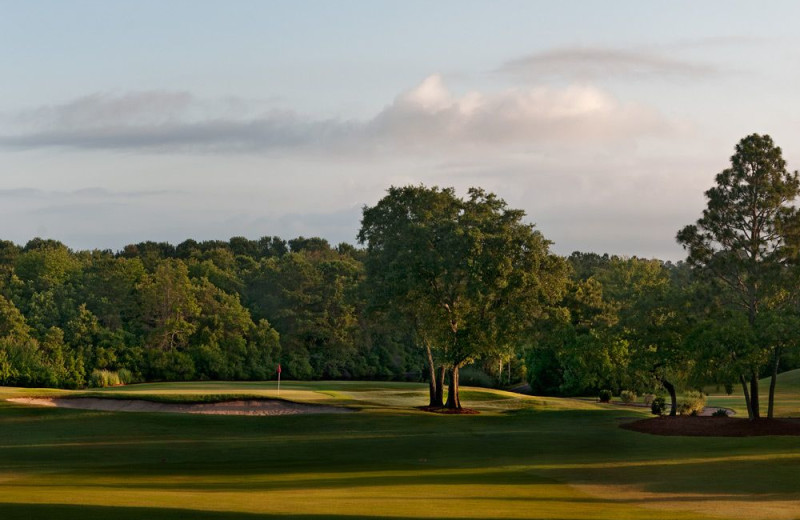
x=279, y=382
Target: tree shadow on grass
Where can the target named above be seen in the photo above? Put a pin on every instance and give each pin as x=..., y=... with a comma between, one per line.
x=85, y=512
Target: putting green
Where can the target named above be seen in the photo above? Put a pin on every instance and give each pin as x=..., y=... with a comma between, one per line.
x=522, y=457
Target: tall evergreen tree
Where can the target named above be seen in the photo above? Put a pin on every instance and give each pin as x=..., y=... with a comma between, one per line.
x=745, y=239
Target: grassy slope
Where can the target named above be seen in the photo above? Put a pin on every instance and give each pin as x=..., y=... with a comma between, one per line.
x=787, y=396
x=521, y=458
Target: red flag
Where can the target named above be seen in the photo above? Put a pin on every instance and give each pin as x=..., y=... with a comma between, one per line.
x=279, y=368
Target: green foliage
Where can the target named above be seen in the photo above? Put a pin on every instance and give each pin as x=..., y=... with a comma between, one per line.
x=125, y=376
x=314, y=302
x=747, y=235
x=200, y=310
x=465, y=277
x=628, y=396
x=720, y=344
x=7, y=371
x=544, y=370
x=474, y=376
x=691, y=403
x=468, y=276
x=103, y=378
x=720, y=412
x=169, y=365
x=45, y=265
x=605, y=396
x=658, y=406
x=591, y=344
x=25, y=364
x=13, y=325
x=168, y=306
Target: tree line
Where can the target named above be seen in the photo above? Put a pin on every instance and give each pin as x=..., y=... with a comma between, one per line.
x=442, y=287
x=227, y=310
x=729, y=315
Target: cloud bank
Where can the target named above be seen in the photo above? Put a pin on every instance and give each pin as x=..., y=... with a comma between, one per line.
x=430, y=113
x=428, y=117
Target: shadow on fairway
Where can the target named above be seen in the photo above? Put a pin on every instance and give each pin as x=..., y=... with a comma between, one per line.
x=79, y=512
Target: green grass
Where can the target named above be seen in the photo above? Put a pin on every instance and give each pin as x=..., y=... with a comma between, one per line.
x=787, y=396
x=522, y=457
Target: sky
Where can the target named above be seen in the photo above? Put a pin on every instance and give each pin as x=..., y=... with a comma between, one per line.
x=128, y=121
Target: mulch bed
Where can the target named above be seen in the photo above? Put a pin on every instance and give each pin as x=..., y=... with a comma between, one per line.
x=714, y=426
x=448, y=411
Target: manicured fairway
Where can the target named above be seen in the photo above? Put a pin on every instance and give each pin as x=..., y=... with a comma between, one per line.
x=522, y=457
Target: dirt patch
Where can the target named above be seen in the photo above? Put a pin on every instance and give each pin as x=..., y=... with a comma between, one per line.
x=239, y=407
x=714, y=426
x=448, y=411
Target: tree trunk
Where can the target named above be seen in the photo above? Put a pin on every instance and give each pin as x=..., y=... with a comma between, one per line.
x=754, y=395
x=754, y=399
x=435, y=391
x=673, y=398
x=773, y=380
x=453, y=401
x=746, y=397
x=440, y=386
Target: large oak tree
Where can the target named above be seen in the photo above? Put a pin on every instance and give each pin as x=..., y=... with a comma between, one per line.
x=468, y=273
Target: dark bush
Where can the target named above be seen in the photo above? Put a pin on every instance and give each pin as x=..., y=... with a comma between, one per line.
x=720, y=412
x=605, y=396
x=545, y=374
x=658, y=406
x=473, y=376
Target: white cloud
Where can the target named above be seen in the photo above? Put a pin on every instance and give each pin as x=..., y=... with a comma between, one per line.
x=428, y=117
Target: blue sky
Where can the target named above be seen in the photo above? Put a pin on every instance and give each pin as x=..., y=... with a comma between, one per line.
x=605, y=121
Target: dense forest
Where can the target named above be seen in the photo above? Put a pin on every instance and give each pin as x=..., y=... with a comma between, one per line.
x=209, y=310
x=445, y=290
x=235, y=309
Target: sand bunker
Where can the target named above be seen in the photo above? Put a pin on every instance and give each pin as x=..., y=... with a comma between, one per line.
x=240, y=407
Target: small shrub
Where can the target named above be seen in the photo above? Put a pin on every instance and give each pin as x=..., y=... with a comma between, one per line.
x=605, y=396
x=103, y=378
x=125, y=376
x=658, y=406
x=692, y=403
x=628, y=396
x=648, y=399
x=720, y=412
x=96, y=379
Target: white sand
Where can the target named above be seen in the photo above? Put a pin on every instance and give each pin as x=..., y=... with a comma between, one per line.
x=242, y=407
